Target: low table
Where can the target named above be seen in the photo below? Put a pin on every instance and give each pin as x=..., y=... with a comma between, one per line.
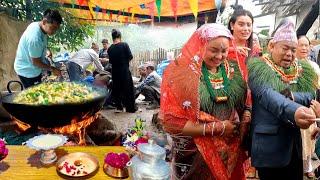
x=24, y=163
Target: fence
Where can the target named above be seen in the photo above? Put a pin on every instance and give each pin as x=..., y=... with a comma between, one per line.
x=155, y=56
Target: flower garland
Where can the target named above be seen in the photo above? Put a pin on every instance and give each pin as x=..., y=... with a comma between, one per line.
x=285, y=77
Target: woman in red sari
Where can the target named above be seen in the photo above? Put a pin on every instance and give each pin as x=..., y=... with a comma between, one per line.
x=202, y=96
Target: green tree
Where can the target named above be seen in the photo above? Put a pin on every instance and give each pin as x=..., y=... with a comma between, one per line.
x=72, y=33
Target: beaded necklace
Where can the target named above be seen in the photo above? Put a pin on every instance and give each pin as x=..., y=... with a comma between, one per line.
x=217, y=81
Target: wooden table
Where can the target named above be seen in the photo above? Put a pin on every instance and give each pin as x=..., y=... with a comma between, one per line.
x=24, y=163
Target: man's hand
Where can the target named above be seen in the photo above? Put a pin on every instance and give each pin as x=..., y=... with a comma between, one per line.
x=315, y=105
x=304, y=117
x=56, y=71
x=104, y=59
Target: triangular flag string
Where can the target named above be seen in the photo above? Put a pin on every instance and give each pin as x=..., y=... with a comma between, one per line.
x=158, y=4
x=174, y=7
x=132, y=15
x=150, y=5
x=90, y=5
x=73, y=2
x=104, y=12
x=97, y=11
x=194, y=7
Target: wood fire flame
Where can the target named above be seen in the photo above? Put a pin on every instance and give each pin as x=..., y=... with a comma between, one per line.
x=75, y=128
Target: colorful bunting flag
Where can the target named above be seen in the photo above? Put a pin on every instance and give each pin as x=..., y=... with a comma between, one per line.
x=73, y=2
x=104, y=12
x=158, y=3
x=110, y=16
x=174, y=7
x=132, y=16
x=150, y=5
x=81, y=2
x=142, y=6
x=90, y=5
x=218, y=4
x=97, y=11
x=126, y=17
x=194, y=7
x=117, y=18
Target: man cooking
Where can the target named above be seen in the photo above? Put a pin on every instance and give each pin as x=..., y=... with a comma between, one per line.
x=30, y=55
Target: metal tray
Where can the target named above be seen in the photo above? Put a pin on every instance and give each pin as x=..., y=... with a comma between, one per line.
x=77, y=164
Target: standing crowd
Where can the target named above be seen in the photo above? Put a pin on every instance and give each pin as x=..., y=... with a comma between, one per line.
x=221, y=99
x=230, y=108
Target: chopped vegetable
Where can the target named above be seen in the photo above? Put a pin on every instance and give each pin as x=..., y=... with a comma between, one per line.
x=56, y=93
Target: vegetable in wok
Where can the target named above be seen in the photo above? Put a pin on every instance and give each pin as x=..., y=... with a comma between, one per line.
x=56, y=93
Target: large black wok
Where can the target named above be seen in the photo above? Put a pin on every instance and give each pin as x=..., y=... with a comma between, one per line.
x=57, y=115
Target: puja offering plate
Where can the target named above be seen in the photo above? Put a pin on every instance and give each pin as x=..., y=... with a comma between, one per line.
x=46, y=143
x=77, y=164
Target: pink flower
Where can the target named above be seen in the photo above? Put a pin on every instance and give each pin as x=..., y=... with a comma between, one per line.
x=117, y=160
x=141, y=140
x=3, y=150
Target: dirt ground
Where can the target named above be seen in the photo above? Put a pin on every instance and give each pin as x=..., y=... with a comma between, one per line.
x=123, y=121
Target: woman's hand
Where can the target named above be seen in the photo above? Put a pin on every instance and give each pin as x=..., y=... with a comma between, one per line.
x=231, y=128
x=243, y=50
x=315, y=106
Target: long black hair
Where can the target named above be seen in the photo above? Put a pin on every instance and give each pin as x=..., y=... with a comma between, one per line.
x=239, y=11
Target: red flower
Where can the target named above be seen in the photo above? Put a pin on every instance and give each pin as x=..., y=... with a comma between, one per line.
x=117, y=160
x=141, y=140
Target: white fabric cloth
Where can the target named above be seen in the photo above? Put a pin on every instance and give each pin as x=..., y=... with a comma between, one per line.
x=316, y=69
x=85, y=57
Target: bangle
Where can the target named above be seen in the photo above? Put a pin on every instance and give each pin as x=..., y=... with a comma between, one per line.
x=212, y=130
x=204, y=129
x=223, y=129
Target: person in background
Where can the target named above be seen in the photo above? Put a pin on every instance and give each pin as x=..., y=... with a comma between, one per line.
x=162, y=66
x=122, y=88
x=81, y=60
x=142, y=72
x=308, y=144
x=103, y=55
x=314, y=54
x=282, y=87
x=30, y=56
x=49, y=58
x=150, y=87
x=257, y=51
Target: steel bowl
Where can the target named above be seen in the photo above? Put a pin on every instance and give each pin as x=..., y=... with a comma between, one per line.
x=115, y=172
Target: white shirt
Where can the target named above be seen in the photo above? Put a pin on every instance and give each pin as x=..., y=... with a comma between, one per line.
x=316, y=69
x=85, y=57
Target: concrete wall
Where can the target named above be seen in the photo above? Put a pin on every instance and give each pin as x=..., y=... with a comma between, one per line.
x=10, y=33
